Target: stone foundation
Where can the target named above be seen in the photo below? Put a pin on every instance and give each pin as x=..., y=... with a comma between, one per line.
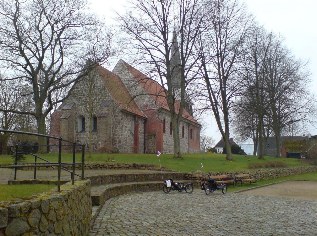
x=280, y=172
x=126, y=178
x=262, y=174
x=64, y=213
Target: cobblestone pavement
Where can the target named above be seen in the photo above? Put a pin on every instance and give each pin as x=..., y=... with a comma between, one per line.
x=157, y=213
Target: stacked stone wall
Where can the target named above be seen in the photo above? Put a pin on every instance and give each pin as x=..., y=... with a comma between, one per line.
x=128, y=178
x=281, y=172
x=263, y=174
x=64, y=213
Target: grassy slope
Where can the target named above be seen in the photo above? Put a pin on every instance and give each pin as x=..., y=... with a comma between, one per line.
x=10, y=192
x=190, y=163
x=303, y=177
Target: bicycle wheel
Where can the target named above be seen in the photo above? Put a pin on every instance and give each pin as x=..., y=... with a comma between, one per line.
x=189, y=188
x=166, y=189
x=224, y=189
x=207, y=189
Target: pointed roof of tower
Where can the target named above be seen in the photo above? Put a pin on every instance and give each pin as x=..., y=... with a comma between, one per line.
x=175, y=63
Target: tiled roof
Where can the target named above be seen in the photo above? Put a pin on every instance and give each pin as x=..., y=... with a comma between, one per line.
x=221, y=143
x=156, y=91
x=119, y=92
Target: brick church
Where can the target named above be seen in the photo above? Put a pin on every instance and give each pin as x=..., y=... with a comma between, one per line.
x=122, y=111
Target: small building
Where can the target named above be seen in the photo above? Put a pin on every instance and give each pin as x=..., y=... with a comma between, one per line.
x=221, y=145
x=291, y=146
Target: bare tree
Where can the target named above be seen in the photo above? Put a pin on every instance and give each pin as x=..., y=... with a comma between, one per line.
x=206, y=143
x=285, y=82
x=251, y=109
x=274, y=94
x=221, y=48
x=45, y=44
x=165, y=33
x=10, y=99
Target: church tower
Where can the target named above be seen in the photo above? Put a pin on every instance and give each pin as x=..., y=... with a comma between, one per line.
x=176, y=66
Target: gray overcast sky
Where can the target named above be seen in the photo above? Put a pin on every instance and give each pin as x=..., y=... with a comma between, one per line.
x=294, y=20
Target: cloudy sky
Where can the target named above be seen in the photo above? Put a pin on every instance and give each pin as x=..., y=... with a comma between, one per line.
x=294, y=20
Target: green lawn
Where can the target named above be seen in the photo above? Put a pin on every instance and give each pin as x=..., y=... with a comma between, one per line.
x=25, y=191
x=190, y=163
x=304, y=177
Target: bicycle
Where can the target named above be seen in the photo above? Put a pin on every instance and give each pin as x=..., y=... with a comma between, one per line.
x=169, y=185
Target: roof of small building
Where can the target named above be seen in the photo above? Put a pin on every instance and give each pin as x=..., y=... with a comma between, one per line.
x=221, y=143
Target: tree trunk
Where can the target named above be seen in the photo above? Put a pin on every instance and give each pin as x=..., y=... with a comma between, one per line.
x=228, y=149
x=89, y=130
x=175, y=126
x=227, y=133
x=41, y=129
x=4, y=142
x=278, y=145
x=261, y=141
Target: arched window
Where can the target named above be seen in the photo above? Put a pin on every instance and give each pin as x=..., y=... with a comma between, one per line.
x=171, y=128
x=183, y=131
x=164, y=129
x=94, y=123
x=81, y=124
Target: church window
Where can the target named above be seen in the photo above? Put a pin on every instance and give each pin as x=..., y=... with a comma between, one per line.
x=81, y=124
x=183, y=131
x=164, y=129
x=171, y=128
x=191, y=133
x=94, y=123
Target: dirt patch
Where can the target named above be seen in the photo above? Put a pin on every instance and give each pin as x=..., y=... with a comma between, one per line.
x=306, y=190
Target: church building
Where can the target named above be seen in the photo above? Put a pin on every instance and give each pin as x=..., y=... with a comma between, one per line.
x=122, y=111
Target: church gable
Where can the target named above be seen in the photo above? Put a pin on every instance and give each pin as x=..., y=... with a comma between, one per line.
x=100, y=113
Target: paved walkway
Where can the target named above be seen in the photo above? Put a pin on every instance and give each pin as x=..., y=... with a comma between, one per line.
x=49, y=174
x=157, y=213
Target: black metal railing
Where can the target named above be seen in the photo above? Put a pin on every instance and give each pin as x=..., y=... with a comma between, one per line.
x=19, y=149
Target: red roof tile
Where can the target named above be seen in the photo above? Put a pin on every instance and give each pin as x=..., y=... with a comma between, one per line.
x=119, y=92
x=157, y=91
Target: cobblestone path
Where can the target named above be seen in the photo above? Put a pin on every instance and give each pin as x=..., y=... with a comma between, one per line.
x=157, y=213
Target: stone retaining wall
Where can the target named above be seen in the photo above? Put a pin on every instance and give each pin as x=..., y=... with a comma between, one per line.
x=256, y=174
x=280, y=172
x=262, y=174
x=125, y=178
x=64, y=213
x=97, y=166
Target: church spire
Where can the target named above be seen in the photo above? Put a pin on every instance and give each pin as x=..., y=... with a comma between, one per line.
x=175, y=63
x=176, y=74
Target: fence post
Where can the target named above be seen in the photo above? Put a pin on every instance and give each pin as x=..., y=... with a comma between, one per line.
x=35, y=164
x=74, y=162
x=16, y=162
x=59, y=164
x=83, y=162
